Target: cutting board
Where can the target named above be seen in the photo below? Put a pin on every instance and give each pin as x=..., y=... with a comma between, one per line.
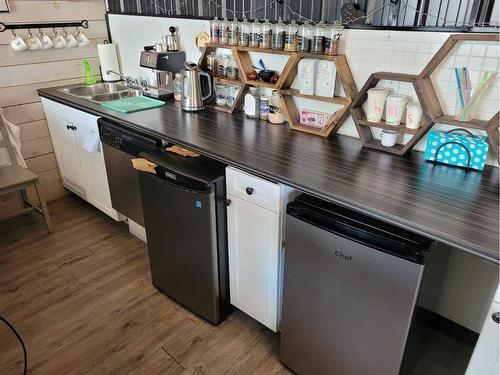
x=133, y=104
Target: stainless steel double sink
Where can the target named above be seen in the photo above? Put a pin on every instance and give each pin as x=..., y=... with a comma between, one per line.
x=101, y=92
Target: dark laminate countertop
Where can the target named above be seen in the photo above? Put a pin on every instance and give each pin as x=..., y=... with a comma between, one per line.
x=447, y=204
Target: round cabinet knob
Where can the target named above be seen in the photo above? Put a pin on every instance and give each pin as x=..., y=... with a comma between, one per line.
x=496, y=317
x=249, y=190
x=228, y=202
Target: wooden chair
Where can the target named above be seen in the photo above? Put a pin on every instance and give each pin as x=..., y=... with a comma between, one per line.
x=18, y=178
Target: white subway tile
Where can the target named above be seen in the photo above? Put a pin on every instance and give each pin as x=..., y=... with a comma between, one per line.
x=475, y=63
x=493, y=51
x=490, y=64
x=411, y=46
x=478, y=50
x=423, y=47
x=463, y=48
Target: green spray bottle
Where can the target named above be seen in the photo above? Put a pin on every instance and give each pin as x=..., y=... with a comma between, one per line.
x=89, y=77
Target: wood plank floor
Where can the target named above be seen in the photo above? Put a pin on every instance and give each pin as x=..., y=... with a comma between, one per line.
x=83, y=302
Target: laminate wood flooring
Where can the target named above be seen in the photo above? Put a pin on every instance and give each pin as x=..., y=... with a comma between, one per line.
x=83, y=301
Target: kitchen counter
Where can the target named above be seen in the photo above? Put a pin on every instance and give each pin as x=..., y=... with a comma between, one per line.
x=447, y=204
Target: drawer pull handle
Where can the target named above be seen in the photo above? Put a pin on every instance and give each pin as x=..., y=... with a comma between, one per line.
x=496, y=317
x=249, y=190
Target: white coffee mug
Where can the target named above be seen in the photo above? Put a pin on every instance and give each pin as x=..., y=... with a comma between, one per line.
x=375, y=104
x=33, y=42
x=17, y=43
x=81, y=39
x=58, y=40
x=394, y=108
x=70, y=40
x=47, y=43
x=388, y=137
x=413, y=115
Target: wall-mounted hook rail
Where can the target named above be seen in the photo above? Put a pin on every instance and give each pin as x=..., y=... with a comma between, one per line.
x=47, y=25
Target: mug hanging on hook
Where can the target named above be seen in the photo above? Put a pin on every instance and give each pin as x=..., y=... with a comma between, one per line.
x=58, y=39
x=81, y=39
x=17, y=43
x=33, y=41
x=69, y=38
x=47, y=43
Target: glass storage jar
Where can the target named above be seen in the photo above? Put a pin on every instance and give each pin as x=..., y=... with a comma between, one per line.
x=213, y=64
x=224, y=32
x=318, y=43
x=231, y=68
x=244, y=31
x=234, y=28
x=306, y=33
x=214, y=30
x=291, y=37
x=254, y=38
x=232, y=92
x=276, y=114
x=223, y=62
x=220, y=95
x=278, y=39
x=332, y=38
x=267, y=33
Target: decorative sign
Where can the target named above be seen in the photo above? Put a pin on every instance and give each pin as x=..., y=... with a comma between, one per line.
x=4, y=6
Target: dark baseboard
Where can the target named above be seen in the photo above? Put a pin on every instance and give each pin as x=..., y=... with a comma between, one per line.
x=447, y=326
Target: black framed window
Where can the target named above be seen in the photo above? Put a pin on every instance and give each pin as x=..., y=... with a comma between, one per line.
x=461, y=15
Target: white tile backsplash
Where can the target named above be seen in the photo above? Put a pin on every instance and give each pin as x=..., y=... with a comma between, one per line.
x=367, y=51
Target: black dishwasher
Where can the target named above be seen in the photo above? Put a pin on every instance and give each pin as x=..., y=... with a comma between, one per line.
x=120, y=146
x=185, y=216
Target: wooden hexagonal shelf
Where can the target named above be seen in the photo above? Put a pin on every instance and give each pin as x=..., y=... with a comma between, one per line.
x=288, y=74
x=491, y=126
x=364, y=126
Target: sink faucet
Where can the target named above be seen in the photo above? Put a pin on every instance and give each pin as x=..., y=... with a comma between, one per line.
x=128, y=79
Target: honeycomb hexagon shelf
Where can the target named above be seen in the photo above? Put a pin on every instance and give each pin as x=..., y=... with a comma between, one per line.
x=432, y=111
x=364, y=127
x=288, y=74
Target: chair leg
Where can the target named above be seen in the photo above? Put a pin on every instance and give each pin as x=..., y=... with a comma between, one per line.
x=24, y=197
x=43, y=205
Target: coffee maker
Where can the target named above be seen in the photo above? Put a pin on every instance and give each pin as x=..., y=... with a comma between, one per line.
x=164, y=66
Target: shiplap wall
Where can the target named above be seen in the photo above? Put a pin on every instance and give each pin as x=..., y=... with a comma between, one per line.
x=22, y=73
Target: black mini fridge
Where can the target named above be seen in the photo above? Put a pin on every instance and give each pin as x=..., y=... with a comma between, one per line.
x=185, y=218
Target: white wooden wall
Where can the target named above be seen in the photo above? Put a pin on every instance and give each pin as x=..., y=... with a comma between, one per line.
x=22, y=73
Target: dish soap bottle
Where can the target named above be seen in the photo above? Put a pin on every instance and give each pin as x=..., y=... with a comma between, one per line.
x=89, y=77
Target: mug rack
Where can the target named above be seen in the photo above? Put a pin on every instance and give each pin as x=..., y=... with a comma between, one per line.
x=45, y=25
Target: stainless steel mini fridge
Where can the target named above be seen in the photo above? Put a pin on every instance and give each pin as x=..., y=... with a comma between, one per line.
x=185, y=216
x=350, y=288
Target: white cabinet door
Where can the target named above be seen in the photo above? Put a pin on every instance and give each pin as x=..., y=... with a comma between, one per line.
x=486, y=354
x=64, y=140
x=94, y=169
x=254, y=250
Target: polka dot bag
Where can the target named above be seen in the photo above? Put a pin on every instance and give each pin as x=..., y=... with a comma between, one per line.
x=462, y=150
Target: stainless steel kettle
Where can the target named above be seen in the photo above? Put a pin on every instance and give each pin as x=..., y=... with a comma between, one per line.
x=196, y=87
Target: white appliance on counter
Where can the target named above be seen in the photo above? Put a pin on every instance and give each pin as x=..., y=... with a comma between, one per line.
x=78, y=151
x=486, y=356
x=255, y=219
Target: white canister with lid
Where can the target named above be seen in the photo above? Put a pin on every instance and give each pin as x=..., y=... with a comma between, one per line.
x=413, y=115
x=395, y=106
x=375, y=104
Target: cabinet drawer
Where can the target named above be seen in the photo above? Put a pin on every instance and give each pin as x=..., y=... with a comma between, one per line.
x=253, y=189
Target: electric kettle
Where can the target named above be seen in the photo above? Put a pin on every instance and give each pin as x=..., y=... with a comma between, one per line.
x=196, y=87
